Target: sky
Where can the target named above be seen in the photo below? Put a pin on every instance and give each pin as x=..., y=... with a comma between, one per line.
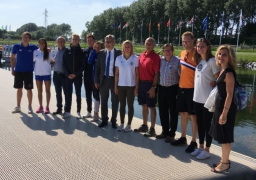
x=76, y=13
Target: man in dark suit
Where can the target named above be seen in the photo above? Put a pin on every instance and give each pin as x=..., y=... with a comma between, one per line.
x=104, y=79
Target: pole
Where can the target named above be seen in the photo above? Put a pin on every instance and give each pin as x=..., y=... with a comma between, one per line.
x=126, y=32
x=114, y=30
x=120, y=36
x=220, y=39
x=237, y=39
x=192, y=26
x=179, y=38
x=168, y=34
x=158, y=36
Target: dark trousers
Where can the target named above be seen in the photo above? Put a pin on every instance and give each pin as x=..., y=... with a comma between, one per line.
x=77, y=81
x=96, y=93
x=108, y=84
x=167, y=109
x=59, y=84
x=88, y=85
x=126, y=93
x=204, y=119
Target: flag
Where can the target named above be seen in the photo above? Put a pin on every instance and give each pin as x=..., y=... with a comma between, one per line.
x=119, y=27
x=241, y=19
x=126, y=25
x=141, y=26
x=204, y=23
x=113, y=26
x=132, y=29
x=191, y=20
x=168, y=23
x=180, y=24
x=149, y=26
x=158, y=25
x=222, y=24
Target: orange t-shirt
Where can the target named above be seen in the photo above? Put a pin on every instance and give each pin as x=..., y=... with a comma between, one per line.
x=188, y=68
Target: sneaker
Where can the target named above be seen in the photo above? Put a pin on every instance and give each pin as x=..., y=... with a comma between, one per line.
x=197, y=151
x=191, y=147
x=203, y=155
x=150, y=133
x=47, y=110
x=78, y=115
x=66, y=115
x=30, y=110
x=40, y=109
x=142, y=128
x=95, y=118
x=169, y=139
x=121, y=127
x=16, y=109
x=88, y=115
x=58, y=111
x=161, y=136
x=182, y=141
x=127, y=128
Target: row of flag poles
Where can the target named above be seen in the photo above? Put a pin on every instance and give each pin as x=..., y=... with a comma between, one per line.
x=168, y=24
x=6, y=28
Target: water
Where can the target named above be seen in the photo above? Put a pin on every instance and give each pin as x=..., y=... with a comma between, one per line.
x=245, y=125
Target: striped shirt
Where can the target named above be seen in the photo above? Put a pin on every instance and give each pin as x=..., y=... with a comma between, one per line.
x=169, y=71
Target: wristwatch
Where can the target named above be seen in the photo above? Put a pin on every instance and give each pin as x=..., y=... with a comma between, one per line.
x=153, y=86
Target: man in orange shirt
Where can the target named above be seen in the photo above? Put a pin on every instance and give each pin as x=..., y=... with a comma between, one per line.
x=186, y=91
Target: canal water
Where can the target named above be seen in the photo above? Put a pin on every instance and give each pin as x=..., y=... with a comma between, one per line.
x=245, y=125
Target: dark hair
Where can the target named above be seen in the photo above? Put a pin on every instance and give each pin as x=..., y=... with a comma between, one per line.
x=168, y=45
x=101, y=44
x=197, y=57
x=90, y=36
x=46, y=53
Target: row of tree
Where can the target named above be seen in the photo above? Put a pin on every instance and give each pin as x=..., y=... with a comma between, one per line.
x=50, y=33
x=155, y=11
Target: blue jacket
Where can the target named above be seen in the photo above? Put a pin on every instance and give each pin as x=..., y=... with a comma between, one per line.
x=92, y=60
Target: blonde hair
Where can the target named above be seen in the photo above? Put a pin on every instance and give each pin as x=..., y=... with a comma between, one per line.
x=232, y=60
x=127, y=42
x=188, y=33
x=75, y=35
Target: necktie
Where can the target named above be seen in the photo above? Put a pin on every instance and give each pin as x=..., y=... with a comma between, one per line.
x=108, y=63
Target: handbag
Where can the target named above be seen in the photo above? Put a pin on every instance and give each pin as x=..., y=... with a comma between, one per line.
x=210, y=102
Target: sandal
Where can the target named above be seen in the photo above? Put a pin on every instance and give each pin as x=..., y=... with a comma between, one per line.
x=222, y=171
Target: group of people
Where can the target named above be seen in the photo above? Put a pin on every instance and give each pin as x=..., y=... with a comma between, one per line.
x=179, y=85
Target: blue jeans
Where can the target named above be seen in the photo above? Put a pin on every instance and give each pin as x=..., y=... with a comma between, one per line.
x=60, y=84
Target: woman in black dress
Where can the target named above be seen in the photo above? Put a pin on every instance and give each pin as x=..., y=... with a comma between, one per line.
x=222, y=128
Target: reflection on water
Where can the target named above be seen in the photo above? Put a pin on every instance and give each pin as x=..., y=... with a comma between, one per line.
x=245, y=125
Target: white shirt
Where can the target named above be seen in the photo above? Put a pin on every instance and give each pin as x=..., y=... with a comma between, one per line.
x=111, y=64
x=42, y=67
x=204, y=75
x=127, y=75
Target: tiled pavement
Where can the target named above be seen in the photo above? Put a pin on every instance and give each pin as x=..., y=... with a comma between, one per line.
x=40, y=146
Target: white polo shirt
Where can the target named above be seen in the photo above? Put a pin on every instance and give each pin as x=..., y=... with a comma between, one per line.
x=204, y=75
x=127, y=75
x=42, y=67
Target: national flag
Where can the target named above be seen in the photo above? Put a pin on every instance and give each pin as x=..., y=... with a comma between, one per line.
x=222, y=24
x=141, y=26
x=132, y=29
x=113, y=26
x=191, y=20
x=204, y=23
x=119, y=27
x=168, y=23
x=180, y=24
x=158, y=25
x=126, y=25
x=149, y=26
x=241, y=19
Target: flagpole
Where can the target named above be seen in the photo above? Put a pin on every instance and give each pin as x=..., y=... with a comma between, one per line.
x=141, y=27
x=238, y=34
x=237, y=38
x=192, y=24
x=115, y=30
x=179, y=38
x=168, y=34
x=120, y=35
x=126, y=32
x=220, y=39
x=158, y=37
x=133, y=32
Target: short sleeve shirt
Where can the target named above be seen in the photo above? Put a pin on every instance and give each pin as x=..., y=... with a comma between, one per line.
x=204, y=75
x=127, y=75
x=24, y=57
x=149, y=64
x=188, y=67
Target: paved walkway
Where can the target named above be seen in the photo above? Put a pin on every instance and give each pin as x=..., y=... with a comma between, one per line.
x=40, y=146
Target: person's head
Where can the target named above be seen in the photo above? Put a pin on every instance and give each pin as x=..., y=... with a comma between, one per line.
x=150, y=44
x=187, y=40
x=98, y=46
x=168, y=51
x=26, y=36
x=90, y=39
x=203, y=50
x=110, y=42
x=226, y=56
x=43, y=47
x=75, y=39
x=127, y=48
x=60, y=42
